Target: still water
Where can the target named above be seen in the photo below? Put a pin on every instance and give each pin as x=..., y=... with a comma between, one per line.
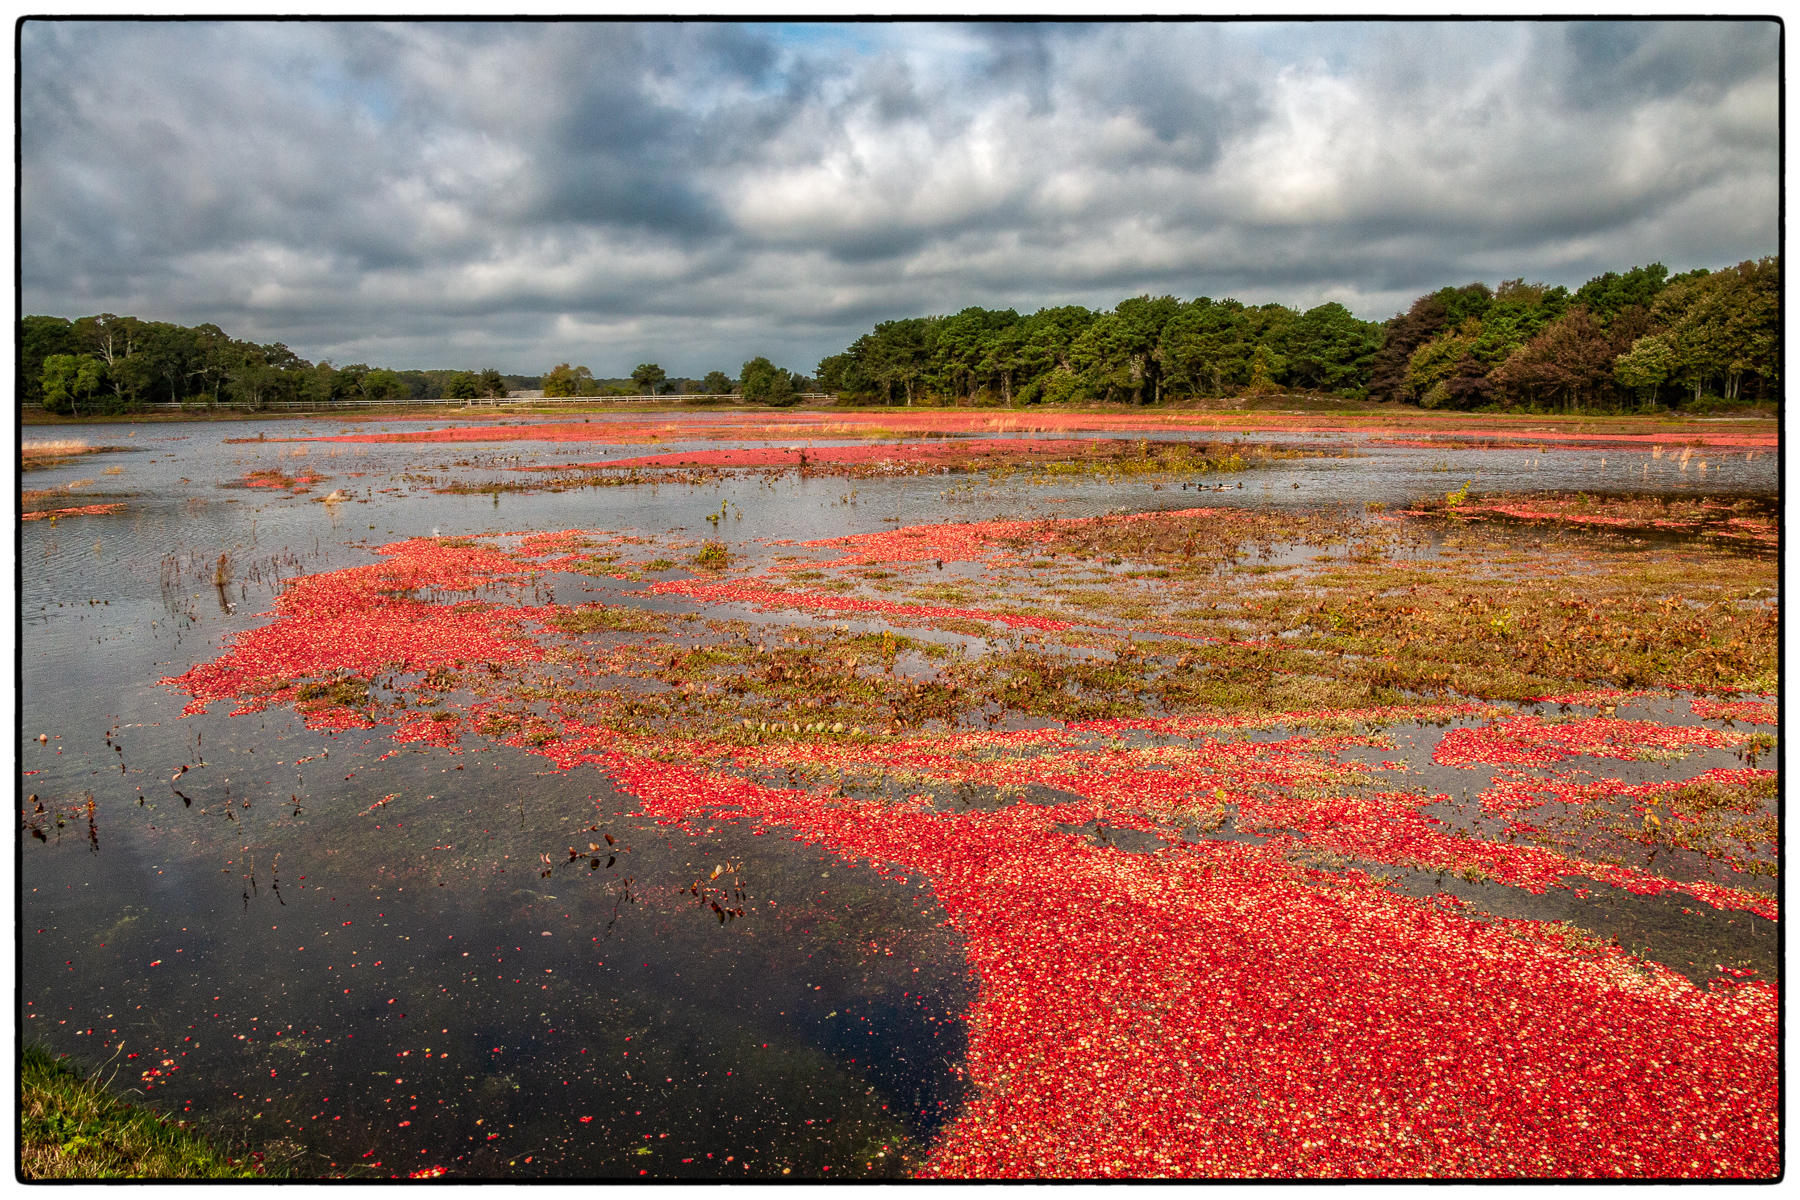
x=347, y=952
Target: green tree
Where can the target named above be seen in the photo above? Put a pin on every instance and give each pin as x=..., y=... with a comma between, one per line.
x=166, y=358
x=1266, y=368
x=248, y=378
x=1208, y=347
x=259, y=376
x=492, y=384
x=1102, y=363
x=1448, y=348
x=39, y=338
x=462, y=386
x=1328, y=348
x=901, y=355
x=1519, y=312
x=648, y=376
x=1646, y=366
x=963, y=348
x=71, y=380
x=839, y=373
x=348, y=383
x=1725, y=327
x=322, y=383
x=1608, y=295
x=1721, y=328
x=383, y=386
x=214, y=356
x=422, y=385
x=1437, y=360
x=1043, y=360
x=716, y=383
x=564, y=380
x=1119, y=355
x=1407, y=331
x=763, y=382
x=113, y=339
x=1570, y=361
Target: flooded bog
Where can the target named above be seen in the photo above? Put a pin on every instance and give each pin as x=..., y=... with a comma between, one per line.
x=1306, y=803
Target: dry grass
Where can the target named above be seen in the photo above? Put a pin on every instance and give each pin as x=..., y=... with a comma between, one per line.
x=49, y=454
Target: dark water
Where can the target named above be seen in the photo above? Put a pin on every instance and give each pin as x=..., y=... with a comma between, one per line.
x=383, y=988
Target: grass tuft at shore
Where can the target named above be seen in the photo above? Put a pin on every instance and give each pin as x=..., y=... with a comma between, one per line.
x=71, y=1127
x=33, y=455
x=60, y=448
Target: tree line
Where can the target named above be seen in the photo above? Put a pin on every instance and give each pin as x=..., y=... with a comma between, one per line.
x=1632, y=340
x=106, y=365
x=1640, y=339
x=759, y=380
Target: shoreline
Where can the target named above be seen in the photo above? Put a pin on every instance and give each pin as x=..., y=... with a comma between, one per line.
x=1385, y=413
x=75, y=1127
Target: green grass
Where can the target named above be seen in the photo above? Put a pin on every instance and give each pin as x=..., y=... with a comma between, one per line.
x=71, y=1127
x=713, y=556
x=346, y=692
x=610, y=618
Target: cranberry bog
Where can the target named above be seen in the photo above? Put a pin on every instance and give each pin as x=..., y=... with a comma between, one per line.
x=945, y=795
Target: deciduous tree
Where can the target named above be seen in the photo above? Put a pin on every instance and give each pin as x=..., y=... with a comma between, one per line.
x=763, y=382
x=1570, y=361
x=71, y=381
x=564, y=380
x=648, y=377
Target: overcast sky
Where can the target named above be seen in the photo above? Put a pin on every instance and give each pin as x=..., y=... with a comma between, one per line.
x=516, y=195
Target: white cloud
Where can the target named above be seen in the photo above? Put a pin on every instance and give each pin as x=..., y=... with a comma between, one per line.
x=696, y=193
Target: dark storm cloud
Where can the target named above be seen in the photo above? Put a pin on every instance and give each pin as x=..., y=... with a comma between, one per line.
x=1019, y=58
x=522, y=193
x=1615, y=63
